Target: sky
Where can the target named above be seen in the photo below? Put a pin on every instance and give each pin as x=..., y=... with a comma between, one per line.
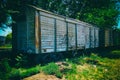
x=4, y=29
x=118, y=5
x=118, y=24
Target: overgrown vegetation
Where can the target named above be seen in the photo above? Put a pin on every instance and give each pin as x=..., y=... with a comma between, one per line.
x=52, y=69
x=93, y=67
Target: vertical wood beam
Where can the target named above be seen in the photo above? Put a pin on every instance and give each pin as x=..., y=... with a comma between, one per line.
x=94, y=37
x=90, y=37
x=37, y=32
x=76, y=37
x=66, y=36
x=55, y=32
x=39, y=22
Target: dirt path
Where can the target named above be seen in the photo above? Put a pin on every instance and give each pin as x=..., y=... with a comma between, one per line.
x=41, y=76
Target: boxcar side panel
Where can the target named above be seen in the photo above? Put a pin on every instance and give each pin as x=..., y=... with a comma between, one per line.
x=30, y=30
x=106, y=38
x=92, y=37
x=71, y=36
x=21, y=36
x=87, y=37
x=101, y=38
x=96, y=33
x=47, y=34
x=61, y=35
x=80, y=37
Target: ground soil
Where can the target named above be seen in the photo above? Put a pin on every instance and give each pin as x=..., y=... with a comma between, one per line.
x=41, y=76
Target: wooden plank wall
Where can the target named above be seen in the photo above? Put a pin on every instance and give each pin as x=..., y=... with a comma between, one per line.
x=47, y=34
x=61, y=35
x=80, y=36
x=96, y=37
x=87, y=37
x=58, y=33
x=71, y=36
x=107, y=38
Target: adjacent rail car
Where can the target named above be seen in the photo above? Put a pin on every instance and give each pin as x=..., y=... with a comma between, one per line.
x=40, y=31
x=109, y=38
x=116, y=37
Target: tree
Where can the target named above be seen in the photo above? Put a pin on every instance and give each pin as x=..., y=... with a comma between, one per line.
x=102, y=13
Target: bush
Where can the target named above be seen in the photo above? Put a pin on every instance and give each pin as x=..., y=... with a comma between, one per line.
x=116, y=52
x=14, y=74
x=52, y=69
x=73, y=69
x=29, y=72
x=4, y=69
x=8, y=39
x=4, y=65
x=21, y=60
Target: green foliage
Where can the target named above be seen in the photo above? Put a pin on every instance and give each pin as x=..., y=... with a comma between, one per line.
x=52, y=69
x=94, y=67
x=14, y=74
x=29, y=72
x=4, y=68
x=21, y=60
x=73, y=69
x=116, y=52
x=102, y=13
x=80, y=68
x=8, y=39
x=17, y=74
x=105, y=17
x=4, y=64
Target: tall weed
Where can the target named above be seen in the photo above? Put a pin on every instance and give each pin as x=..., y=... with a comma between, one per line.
x=52, y=69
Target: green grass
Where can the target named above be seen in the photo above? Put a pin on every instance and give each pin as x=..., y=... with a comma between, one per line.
x=52, y=69
x=116, y=52
x=10, y=73
x=93, y=67
x=6, y=46
x=21, y=73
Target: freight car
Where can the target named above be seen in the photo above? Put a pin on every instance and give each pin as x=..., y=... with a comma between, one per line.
x=109, y=38
x=40, y=31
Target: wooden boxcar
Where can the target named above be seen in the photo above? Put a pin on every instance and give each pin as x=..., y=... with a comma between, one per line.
x=40, y=31
x=116, y=38
x=109, y=38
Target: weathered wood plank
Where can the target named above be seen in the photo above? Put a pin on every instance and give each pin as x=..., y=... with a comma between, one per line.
x=47, y=34
x=61, y=35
